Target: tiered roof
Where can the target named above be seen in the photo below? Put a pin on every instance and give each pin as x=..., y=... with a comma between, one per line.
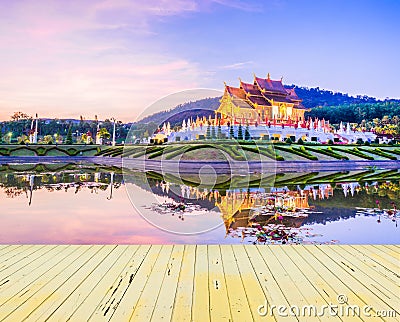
x=262, y=92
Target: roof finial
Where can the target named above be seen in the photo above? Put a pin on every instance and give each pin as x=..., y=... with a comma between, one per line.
x=225, y=83
x=281, y=79
x=268, y=77
x=240, y=80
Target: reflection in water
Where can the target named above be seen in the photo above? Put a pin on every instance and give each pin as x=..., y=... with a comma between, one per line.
x=299, y=208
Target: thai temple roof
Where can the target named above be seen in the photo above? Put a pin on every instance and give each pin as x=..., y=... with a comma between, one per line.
x=262, y=92
x=250, y=89
x=259, y=100
x=235, y=91
x=269, y=85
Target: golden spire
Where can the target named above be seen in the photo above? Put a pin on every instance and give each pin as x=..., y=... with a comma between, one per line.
x=281, y=79
x=268, y=77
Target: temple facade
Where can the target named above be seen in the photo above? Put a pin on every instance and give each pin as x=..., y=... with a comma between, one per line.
x=269, y=111
x=264, y=101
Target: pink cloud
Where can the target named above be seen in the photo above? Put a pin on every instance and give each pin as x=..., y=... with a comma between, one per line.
x=55, y=59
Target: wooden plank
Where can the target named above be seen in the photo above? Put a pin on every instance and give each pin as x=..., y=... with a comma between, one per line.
x=201, y=304
x=357, y=271
x=182, y=283
x=121, y=309
x=16, y=253
x=166, y=298
x=286, y=283
x=381, y=258
x=254, y=291
x=147, y=299
x=388, y=250
x=393, y=256
x=315, y=278
x=335, y=281
x=25, y=289
x=271, y=284
x=104, y=299
x=395, y=248
x=182, y=308
x=383, y=276
x=238, y=303
x=353, y=278
x=3, y=247
x=12, y=251
x=372, y=263
x=66, y=299
x=26, y=304
x=219, y=300
x=24, y=258
x=20, y=280
x=312, y=296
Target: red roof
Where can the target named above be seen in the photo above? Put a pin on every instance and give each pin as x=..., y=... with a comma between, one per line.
x=250, y=89
x=235, y=91
x=270, y=85
x=259, y=100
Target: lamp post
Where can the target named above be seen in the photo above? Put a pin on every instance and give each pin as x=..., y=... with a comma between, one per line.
x=113, y=138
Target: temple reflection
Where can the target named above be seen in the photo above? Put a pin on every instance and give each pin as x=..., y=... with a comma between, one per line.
x=277, y=213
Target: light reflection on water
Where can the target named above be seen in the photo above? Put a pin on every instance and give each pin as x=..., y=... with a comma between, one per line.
x=89, y=205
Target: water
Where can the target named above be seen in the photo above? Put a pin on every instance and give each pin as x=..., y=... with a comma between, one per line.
x=92, y=204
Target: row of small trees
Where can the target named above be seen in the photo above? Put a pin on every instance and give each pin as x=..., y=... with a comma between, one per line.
x=216, y=134
x=57, y=138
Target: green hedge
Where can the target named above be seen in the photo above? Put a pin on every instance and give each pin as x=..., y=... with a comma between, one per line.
x=298, y=151
x=379, y=152
x=329, y=152
x=355, y=152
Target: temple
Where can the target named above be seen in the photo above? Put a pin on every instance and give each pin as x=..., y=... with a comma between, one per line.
x=266, y=110
x=263, y=101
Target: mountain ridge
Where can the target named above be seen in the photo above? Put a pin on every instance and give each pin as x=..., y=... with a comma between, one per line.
x=312, y=97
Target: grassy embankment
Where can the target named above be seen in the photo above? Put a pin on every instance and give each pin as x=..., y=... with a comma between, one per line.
x=217, y=150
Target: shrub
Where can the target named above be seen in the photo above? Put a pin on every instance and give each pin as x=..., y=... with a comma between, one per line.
x=360, y=141
x=300, y=141
x=330, y=142
x=288, y=141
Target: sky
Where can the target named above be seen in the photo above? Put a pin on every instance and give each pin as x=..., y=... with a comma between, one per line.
x=114, y=58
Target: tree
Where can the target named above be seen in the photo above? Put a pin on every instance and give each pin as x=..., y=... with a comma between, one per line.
x=219, y=131
x=104, y=134
x=240, y=132
x=213, y=135
x=48, y=139
x=208, y=133
x=22, y=139
x=20, y=116
x=247, y=135
x=231, y=132
x=68, y=140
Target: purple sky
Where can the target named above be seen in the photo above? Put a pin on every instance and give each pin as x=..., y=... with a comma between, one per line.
x=116, y=57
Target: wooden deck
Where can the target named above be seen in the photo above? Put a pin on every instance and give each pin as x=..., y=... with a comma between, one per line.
x=197, y=283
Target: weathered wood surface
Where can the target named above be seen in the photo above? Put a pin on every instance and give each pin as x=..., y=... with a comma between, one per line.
x=198, y=283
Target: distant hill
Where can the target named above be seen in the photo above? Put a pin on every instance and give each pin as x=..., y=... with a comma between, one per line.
x=176, y=115
x=312, y=97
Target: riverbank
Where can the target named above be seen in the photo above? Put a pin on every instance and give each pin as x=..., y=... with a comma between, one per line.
x=214, y=151
x=219, y=167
